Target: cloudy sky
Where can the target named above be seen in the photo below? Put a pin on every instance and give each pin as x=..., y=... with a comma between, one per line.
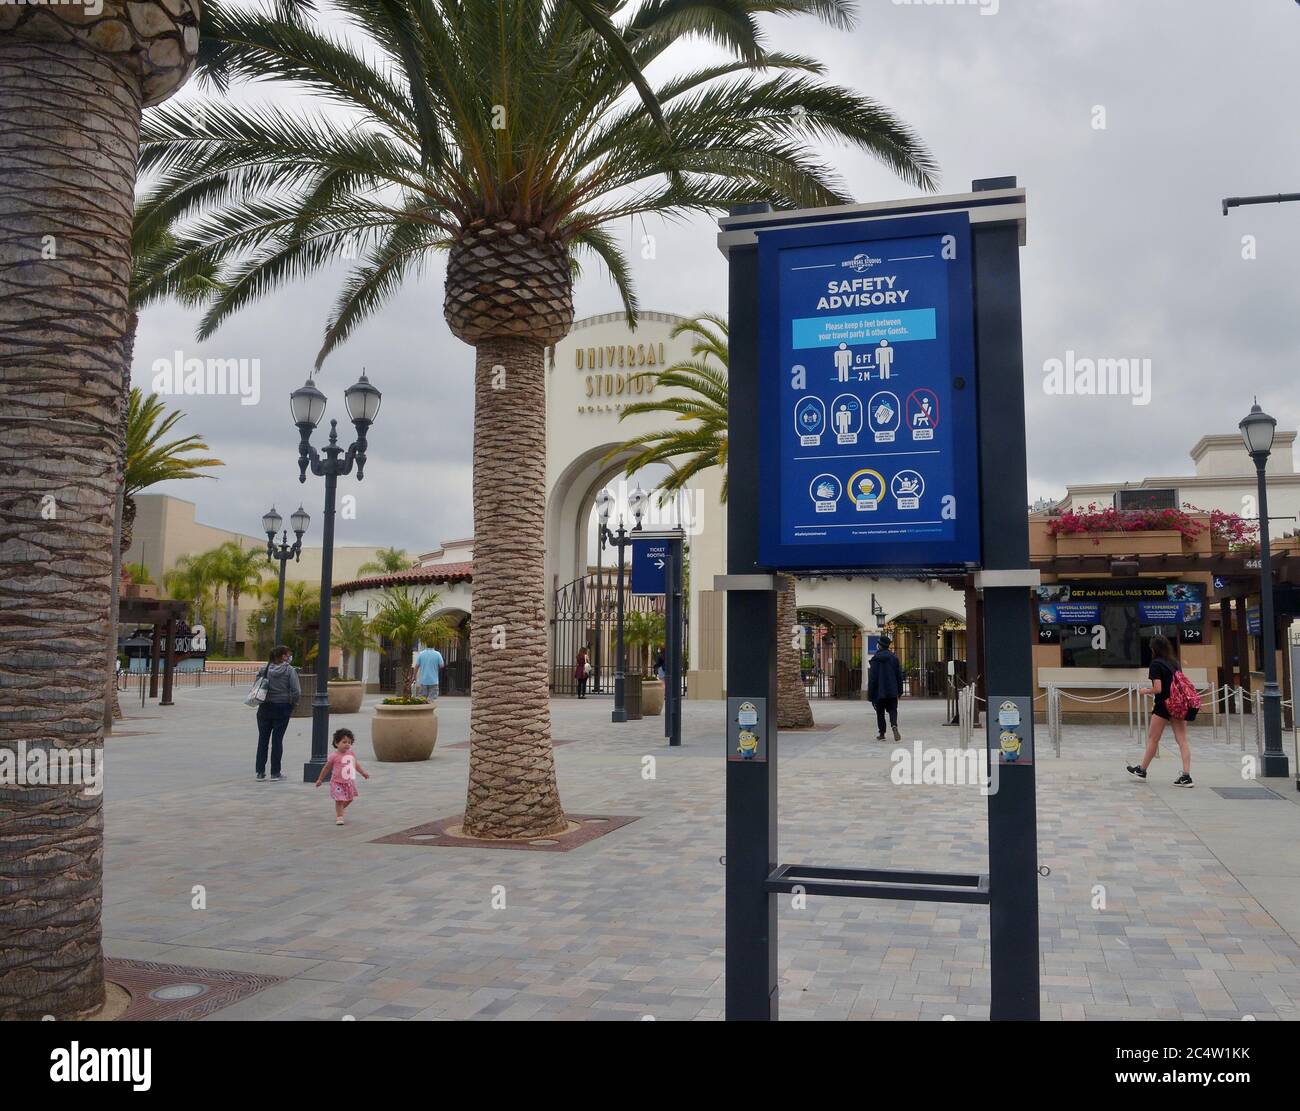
x=1128, y=256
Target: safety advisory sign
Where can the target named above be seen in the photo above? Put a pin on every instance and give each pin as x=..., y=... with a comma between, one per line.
x=868, y=402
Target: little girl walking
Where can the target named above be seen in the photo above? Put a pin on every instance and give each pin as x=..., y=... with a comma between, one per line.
x=343, y=767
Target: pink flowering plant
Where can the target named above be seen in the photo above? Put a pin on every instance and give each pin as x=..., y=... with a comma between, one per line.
x=1227, y=528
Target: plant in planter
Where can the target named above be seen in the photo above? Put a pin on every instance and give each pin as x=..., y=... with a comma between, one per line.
x=406, y=728
x=353, y=638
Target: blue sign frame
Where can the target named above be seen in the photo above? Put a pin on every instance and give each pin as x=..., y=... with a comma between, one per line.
x=834, y=501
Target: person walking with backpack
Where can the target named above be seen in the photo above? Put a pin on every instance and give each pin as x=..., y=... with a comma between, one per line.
x=1176, y=701
x=282, y=693
x=885, y=687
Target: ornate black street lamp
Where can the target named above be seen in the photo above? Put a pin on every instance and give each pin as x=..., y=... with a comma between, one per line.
x=283, y=552
x=1257, y=431
x=307, y=404
x=622, y=541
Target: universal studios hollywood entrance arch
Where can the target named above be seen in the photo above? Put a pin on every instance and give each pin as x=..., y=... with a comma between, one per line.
x=601, y=366
x=878, y=434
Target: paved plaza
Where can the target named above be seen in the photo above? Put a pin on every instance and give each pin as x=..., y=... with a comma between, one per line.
x=1200, y=921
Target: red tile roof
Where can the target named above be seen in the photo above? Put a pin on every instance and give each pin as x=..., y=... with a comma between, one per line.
x=415, y=576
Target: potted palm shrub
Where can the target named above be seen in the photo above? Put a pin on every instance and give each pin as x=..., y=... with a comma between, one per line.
x=353, y=638
x=406, y=728
x=643, y=632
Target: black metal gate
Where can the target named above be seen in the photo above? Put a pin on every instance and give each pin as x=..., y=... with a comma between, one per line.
x=831, y=657
x=585, y=612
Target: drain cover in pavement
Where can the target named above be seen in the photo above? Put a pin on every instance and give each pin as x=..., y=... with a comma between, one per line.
x=1245, y=793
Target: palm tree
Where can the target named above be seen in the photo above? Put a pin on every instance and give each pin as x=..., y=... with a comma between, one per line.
x=511, y=135
x=71, y=91
x=353, y=637
x=151, y=459
x=240, y=570
x=386, y=562
x=405, y=617
x=194, y=578
x=698, y=440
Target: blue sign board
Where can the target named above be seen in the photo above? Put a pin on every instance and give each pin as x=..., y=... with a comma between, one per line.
x=649, y=566
x=868, y=409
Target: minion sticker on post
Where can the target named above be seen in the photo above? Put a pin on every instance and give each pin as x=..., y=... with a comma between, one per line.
x=1015, y=743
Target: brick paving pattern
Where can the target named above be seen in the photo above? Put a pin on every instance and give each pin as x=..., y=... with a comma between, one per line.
x=1201, y=893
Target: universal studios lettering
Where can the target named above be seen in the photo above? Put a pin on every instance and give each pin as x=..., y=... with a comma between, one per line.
x=619, y=354
x=616, y=385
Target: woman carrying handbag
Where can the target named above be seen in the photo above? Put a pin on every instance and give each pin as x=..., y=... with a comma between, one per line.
x=279, y=690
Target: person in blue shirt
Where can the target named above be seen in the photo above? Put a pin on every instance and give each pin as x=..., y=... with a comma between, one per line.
x=885, y=687
x=428, y=675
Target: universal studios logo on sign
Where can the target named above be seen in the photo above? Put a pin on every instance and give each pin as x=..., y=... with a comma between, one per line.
x=860, y=263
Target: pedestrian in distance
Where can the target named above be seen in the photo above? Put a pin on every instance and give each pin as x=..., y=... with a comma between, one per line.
x=582, y=671
x=428, y=675
x=282, y=693
x=343, y=767
x=1177, y=702
x=885, y=687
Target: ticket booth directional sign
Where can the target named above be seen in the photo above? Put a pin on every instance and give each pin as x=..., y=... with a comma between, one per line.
x=876, y=425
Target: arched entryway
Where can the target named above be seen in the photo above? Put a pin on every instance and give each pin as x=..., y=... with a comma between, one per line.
x=925, y=641
x=831, y=654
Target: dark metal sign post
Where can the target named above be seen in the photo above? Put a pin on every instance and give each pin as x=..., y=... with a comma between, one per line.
x=652, y=550
x=996, y=213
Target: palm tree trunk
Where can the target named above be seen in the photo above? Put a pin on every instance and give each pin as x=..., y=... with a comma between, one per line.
x=512, y=786
x=792, y=709
x=67, y=173
x=112, y=708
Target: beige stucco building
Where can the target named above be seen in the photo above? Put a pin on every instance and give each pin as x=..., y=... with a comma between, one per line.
x=167, y=528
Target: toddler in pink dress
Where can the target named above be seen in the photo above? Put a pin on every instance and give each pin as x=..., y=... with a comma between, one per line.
x=343, y=767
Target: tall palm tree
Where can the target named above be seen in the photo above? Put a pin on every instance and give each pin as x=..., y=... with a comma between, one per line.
x=198, y=578
x=511, y=135
x=405, y=617
x=386, y=561
x=72, y=86
x=151, y=459
x=240, y=570
x=696, y=441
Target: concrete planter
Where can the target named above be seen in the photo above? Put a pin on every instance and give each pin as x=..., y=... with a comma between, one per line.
x=403, y=733
x=652, y=697
x=346, y=696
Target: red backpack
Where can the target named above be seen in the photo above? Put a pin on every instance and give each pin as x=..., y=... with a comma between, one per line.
x=1183, y=697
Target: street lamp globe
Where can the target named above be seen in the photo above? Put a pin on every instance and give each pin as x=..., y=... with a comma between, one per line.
x=271, y=522
x=299, y=521
x=1257, y=430
x=604, y=506
x=636, y=503
x=362, y=400
x=307, y=404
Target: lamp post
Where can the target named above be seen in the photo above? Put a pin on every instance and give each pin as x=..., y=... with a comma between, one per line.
x=621, y=540
x=307, y=404
x=1257, y=431
x=283, y=552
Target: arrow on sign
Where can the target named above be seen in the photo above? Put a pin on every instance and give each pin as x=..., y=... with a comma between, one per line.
x=660, y=564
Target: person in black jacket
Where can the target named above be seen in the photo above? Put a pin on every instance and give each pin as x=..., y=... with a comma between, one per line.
x=884, y=686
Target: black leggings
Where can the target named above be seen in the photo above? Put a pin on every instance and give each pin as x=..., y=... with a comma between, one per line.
x=883, y=706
